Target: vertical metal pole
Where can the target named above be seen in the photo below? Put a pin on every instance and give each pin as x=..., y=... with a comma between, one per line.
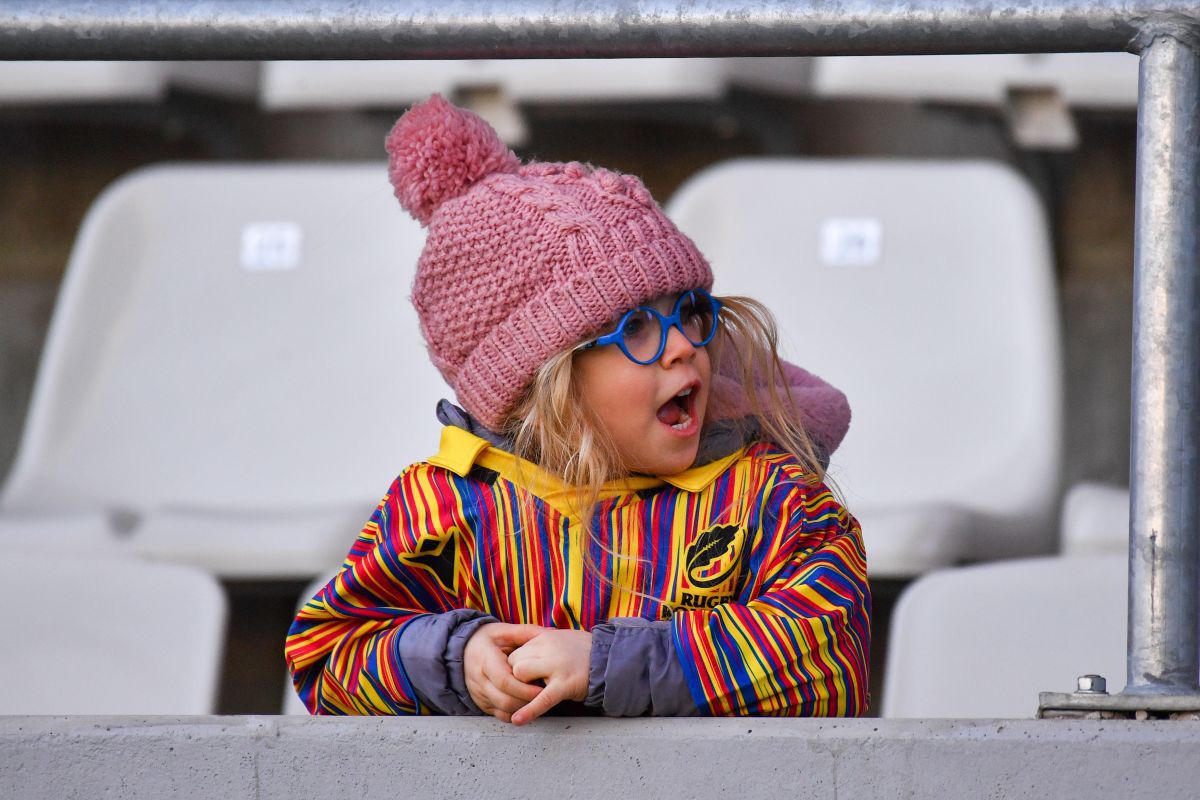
x=1164, y=526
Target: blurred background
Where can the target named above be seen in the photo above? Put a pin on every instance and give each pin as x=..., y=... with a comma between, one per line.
x=1066, y=124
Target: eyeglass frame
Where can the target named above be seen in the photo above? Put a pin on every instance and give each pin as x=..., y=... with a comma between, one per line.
x=673, y=320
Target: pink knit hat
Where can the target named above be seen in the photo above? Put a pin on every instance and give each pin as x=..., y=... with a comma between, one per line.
x=522, y=261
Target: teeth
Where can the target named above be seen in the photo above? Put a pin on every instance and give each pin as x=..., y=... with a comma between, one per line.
x=684, y=421
x=685, y=392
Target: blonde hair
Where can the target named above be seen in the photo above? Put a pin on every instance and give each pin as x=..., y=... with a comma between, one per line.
x=554, y=427
x=746, y=348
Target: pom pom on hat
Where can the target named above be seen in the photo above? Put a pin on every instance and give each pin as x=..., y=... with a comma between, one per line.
x=522, y=262
x=438, y=151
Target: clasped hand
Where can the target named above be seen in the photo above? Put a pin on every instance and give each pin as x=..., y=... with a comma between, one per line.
x=503, y=664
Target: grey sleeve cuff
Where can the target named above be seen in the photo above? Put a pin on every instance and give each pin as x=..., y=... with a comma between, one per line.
x=634, y=670
x=431, y=652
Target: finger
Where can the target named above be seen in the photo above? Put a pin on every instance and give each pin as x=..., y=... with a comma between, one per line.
x=525, y=651
x=478, y=693
x=487, y=707
x=489, y=697
x=496, y=669
x=499, y=677
x=545, y=701
x=537, y=648
x=519, y=688
x=513, y=636
x=490, y=648
x=528, y=670
x=499, y=701
x=491, y=671
x=503, y=716
x=508, y=704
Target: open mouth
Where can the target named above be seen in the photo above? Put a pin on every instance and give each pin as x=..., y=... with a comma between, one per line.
x=680, y=411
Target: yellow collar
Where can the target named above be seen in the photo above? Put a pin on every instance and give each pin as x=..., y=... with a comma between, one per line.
x=460, y=450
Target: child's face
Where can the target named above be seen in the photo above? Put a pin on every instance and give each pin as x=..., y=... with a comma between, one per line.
x=656, y=427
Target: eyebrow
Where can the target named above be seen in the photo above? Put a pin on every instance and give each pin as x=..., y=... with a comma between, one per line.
x=669, y=301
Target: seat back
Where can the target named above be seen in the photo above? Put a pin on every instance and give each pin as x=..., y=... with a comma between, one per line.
x=46, y=82
x=349, y=84
x=102, y=635
x=232, y=338
x=61, y=82
x=923, y=290
x=1095, y=519
x=983, y=641
x=1096, y=80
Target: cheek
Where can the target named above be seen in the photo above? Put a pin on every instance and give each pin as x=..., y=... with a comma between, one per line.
x=704, y=367
x=612, y=387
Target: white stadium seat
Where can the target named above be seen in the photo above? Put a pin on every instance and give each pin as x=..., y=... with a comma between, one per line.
x=495, y=89
x=349, y=84
x=62, y=82
x=81, y=81
x=925, y=291
x=77, y=532
x=233, y=368
x=96, y=635
x=1095, y=519
x=983, y=641
x=1093, y=80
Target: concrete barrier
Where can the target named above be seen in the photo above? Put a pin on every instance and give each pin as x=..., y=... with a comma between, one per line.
x=269, y=758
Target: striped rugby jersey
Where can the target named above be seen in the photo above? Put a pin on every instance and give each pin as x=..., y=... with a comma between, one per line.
x=761, y=572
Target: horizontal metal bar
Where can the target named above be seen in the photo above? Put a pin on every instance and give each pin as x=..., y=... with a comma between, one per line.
x=394, y=29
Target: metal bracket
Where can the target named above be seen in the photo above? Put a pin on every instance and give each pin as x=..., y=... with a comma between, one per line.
x=1093, y=702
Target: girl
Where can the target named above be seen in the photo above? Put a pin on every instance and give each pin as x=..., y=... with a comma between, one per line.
x=627, y=515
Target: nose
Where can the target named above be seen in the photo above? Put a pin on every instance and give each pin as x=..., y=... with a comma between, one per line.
x=677, y=348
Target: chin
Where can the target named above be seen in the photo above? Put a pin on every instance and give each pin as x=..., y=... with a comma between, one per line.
x=675, y=469
x=676, y=463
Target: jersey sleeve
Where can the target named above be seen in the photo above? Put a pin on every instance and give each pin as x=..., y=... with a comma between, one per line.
x=410, y=559
x=797, y=640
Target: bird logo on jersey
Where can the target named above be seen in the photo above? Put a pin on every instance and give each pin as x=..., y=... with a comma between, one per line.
x=714, y=555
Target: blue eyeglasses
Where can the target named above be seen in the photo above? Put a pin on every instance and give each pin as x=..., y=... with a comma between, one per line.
x=642, y=333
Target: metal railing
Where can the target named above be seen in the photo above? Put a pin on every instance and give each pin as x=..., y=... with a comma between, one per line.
x=1164, y=545
x=392, y=29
